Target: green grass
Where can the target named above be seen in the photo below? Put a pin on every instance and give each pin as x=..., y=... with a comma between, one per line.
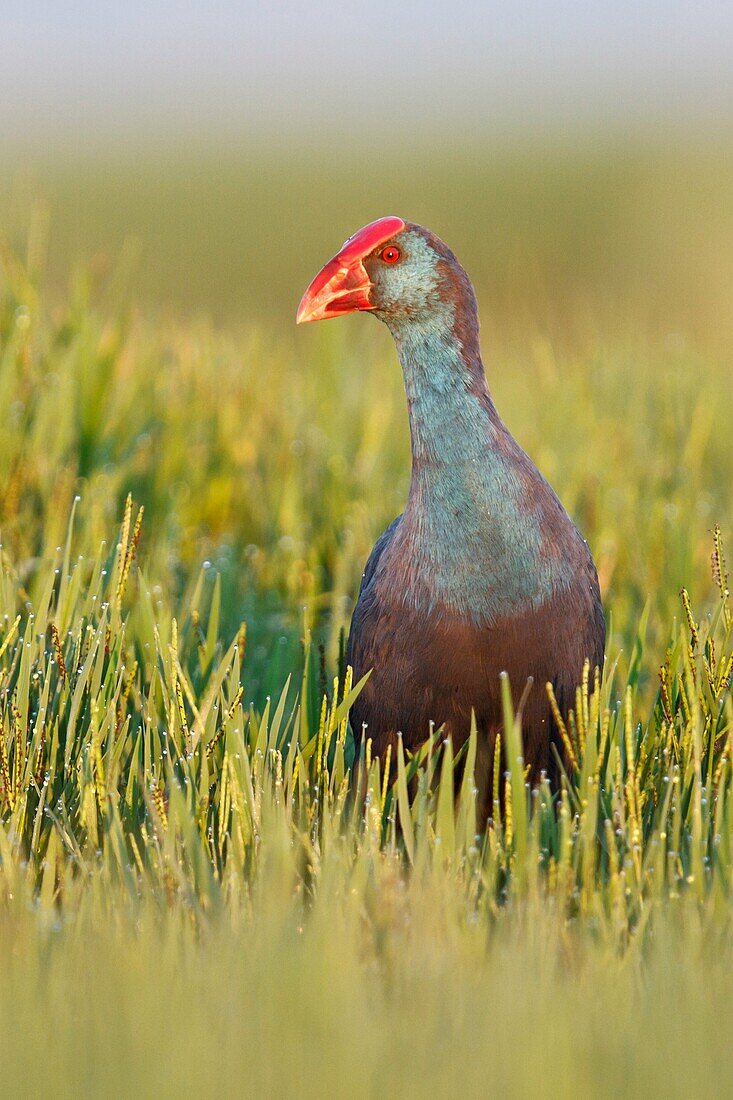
x=190, y=900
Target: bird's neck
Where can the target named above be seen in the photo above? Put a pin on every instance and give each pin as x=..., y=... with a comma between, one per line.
x=473, y=525
x=453, y=422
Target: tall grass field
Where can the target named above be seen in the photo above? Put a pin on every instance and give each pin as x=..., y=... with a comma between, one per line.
x=192, y=901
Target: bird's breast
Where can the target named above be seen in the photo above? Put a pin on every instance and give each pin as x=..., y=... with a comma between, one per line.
x=477, y=559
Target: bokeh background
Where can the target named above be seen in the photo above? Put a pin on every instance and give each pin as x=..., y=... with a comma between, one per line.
x=173, y=174
x=565, y=149
x=571, y=149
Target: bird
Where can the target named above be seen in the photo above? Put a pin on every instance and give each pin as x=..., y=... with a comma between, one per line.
x=484, y=573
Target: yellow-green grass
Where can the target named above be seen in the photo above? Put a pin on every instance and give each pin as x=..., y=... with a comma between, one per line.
x=190, y=901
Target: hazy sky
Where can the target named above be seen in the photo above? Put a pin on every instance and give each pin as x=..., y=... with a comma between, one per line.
x=73, y=68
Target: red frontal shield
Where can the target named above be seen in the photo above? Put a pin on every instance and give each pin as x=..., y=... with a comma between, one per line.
x=343, y=286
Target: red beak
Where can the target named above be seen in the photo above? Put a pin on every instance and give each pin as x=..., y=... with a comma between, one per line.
x=337, y=288
x=343, y=285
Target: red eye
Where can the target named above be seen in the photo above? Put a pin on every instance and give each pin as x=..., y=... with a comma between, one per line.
x=390, y=254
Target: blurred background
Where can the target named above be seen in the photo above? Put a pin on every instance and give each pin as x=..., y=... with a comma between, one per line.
x=173, y=174
x=578, y=148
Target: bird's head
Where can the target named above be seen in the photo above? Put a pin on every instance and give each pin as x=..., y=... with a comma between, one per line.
x=398, y=270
